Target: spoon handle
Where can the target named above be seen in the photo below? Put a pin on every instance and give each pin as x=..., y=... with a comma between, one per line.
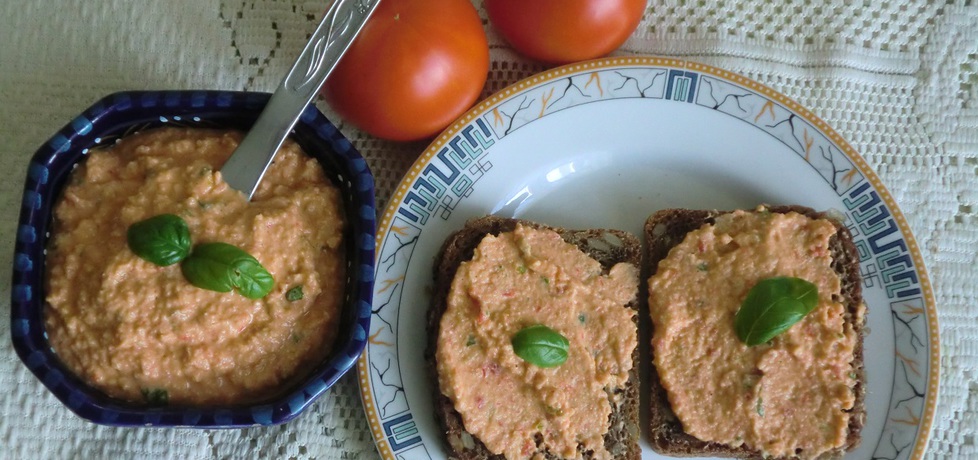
x=339, y=26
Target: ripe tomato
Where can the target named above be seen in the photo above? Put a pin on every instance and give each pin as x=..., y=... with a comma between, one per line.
x=562, y=31
x=415, y=67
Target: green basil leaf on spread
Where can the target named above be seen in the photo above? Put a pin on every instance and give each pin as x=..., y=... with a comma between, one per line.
x=294, y=294
x=156, y=396
x=163, y=239
x=772, y=306
x=541, y=346
x=222, y=267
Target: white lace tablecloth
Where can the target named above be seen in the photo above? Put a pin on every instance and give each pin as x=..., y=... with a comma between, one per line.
x=897, y=78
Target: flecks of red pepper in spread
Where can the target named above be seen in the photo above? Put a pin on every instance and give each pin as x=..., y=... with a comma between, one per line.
x=129, y=327
x=520, y=279
x=788, y=397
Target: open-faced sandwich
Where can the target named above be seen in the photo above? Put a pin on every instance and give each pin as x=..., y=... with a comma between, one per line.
x=757, y=344
x=533, y=341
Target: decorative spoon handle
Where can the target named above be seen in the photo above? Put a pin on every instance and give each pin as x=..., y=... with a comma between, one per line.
x=340, y=25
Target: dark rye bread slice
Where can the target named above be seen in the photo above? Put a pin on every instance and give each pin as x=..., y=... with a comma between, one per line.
x=669, y=227
x=608, y=247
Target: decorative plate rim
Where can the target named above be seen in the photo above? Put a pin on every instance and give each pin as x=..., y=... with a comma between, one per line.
x=923, y=423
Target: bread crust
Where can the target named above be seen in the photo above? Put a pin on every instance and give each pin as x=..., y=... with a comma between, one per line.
x=604, y=245
x=667, y=228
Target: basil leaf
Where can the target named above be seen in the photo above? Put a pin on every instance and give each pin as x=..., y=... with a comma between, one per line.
x=222, y=267
x=251, y=279
x=541, y=346
x=163, y=239
x=772, y=306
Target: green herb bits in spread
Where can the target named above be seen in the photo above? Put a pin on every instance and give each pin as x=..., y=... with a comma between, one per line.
x=772, y=306
x=294, y=294
x=156, y=396
x=163, y=240
x=541, y=346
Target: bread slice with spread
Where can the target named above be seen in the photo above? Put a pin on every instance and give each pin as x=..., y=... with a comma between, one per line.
x=799, y=394
x=502, y=289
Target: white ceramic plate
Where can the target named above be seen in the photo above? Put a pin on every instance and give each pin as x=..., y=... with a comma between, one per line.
x=606, y=143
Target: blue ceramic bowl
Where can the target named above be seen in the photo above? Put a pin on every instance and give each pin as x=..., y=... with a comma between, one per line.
x=122, y=113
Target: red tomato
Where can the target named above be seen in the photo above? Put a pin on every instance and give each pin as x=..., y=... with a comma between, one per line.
x=415, y=67
x=562, y=31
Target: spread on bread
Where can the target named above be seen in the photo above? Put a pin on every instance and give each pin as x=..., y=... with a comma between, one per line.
x=514, y=281
x=788, y=397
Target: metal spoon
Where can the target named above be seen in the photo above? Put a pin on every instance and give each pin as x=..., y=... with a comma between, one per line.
x=339, y=26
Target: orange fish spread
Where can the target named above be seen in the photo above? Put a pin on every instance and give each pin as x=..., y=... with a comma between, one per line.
x=788, y=397
x=525, y=278
x=131, y=328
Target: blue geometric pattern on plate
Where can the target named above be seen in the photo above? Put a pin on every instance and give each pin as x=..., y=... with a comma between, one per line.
x=464, y=157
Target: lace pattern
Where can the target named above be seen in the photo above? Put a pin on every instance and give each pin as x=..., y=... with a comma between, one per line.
x=898, y=79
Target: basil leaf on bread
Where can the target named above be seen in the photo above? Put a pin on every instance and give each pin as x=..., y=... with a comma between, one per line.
x=772, y=306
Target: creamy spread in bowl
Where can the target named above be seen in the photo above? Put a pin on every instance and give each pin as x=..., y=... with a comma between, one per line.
x=135, y=330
